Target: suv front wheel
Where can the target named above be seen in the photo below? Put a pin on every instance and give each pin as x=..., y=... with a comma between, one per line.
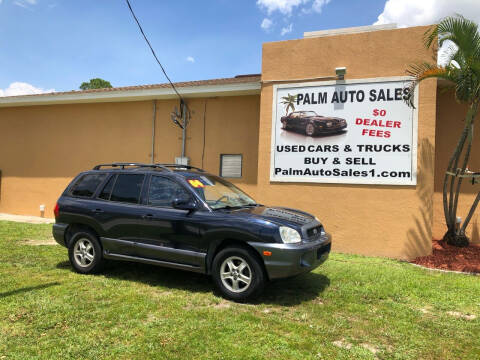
x=85, y=252
x=238, y=274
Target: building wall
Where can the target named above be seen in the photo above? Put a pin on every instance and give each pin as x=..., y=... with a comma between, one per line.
x=450, y=122
x=43, y=147
x=393, y=221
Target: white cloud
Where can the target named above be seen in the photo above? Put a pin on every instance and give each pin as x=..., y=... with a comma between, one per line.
x=266, y=24
x=21, y=88
x=25, y=3
x=319, y=4
x=283, y=6
x=190, y=59
x=287, y=29
x=287, y=6
x=425, y=12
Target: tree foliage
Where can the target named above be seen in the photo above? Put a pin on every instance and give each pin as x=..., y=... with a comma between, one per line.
x=96, y=83
x=462, y=73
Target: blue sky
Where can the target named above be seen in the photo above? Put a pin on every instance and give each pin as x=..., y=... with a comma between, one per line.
x=57, y=44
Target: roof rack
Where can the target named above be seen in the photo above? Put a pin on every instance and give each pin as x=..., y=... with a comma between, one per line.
x=180, y=166
x=123, y=165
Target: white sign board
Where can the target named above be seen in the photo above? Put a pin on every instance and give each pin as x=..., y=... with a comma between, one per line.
x=354, y=132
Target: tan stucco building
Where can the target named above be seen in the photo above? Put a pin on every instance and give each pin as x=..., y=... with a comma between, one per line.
x=47, y=139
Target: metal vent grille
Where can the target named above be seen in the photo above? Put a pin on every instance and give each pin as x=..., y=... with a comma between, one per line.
x=231, y=165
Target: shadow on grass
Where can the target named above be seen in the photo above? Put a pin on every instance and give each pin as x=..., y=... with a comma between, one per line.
x=295, y=290
x=285, y=292
x=27, y=289
x=152, y=275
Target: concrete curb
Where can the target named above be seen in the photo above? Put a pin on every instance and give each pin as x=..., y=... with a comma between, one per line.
x=26, y=219
x=445, y=271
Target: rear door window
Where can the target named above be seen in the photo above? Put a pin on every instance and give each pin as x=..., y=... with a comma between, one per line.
x=107, y=189
x=127, y=188
x=87, y=185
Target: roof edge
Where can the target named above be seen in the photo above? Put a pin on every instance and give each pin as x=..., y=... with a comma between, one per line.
x=135, y=94
x=349, y=30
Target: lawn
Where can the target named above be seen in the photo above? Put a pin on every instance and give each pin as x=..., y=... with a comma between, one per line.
x=352, y=307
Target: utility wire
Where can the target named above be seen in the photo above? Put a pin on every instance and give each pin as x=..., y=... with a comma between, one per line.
x=155, y=55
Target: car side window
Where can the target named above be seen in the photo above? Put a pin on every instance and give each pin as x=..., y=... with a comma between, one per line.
x=163, y=191
x=127, y=188
x=107, y=189
x=87, y=185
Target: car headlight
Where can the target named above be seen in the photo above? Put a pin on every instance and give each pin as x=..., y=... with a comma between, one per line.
x=289, y=235
x=329, y=123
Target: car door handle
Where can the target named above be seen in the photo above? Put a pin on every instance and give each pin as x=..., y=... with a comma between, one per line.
x=97, y=211
x=147, y=217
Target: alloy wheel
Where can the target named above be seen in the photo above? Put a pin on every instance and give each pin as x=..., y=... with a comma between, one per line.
x=310, y=129
x=236, y=274
x=83, y=252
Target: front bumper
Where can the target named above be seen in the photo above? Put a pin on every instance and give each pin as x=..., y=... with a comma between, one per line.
x=332, y=129
x=292, y=259
x=58, y=231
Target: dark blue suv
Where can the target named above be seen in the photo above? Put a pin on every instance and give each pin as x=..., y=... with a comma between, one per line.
x=184, y=218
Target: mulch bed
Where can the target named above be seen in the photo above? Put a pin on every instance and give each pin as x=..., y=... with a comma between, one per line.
x=447, y=257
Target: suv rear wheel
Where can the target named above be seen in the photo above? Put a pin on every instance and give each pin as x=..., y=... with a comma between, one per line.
x=85, y=252
x=238, y=274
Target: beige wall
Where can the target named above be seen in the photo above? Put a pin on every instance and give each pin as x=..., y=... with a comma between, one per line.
x=450, y=122
x=43, y=147
x=393, y=221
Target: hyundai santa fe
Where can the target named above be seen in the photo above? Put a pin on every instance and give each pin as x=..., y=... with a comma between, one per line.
x=185, y=218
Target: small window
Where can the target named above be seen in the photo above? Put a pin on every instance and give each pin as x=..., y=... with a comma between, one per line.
x=127, y=188
x=163, y=191
x=87, y=185
x=107, y=189
x=231, y=166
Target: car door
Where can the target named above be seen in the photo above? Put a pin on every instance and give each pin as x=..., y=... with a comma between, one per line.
x=169, y=234
x=118, y=211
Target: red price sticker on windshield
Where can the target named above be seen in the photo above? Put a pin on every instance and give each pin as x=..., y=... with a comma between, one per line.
x=196, y=183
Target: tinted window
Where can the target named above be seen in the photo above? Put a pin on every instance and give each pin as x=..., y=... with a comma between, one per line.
x=163, y=191
x=87, y=185
x=107, y=189
x=127, y=188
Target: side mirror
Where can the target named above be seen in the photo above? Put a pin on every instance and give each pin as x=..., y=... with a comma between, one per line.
x=184, y=204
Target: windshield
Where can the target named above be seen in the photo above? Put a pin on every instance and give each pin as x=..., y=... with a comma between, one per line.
x=218, y=193
x=309, y=113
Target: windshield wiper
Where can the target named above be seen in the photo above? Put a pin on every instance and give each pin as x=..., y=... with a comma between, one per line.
x=228, y=207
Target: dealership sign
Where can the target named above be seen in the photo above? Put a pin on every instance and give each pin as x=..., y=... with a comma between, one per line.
x=355, y=132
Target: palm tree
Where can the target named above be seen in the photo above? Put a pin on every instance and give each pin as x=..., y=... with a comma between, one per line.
x=289, y=100
x=462, y=71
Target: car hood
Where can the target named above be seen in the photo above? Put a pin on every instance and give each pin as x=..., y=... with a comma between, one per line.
x=279, y=215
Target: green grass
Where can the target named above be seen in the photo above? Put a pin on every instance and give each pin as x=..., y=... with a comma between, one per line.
x=138, y=311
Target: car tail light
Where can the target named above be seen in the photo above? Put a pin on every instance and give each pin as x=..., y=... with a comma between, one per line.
x=56, y=210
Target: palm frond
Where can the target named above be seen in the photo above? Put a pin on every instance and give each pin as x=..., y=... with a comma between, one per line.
x=459, y=30
x=422, y=71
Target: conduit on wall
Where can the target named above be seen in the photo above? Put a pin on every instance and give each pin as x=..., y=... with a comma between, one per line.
x=153, y=130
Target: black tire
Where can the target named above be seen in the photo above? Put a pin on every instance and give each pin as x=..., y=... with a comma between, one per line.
x=91, y=263
x=310, y=129
x=254, y=270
